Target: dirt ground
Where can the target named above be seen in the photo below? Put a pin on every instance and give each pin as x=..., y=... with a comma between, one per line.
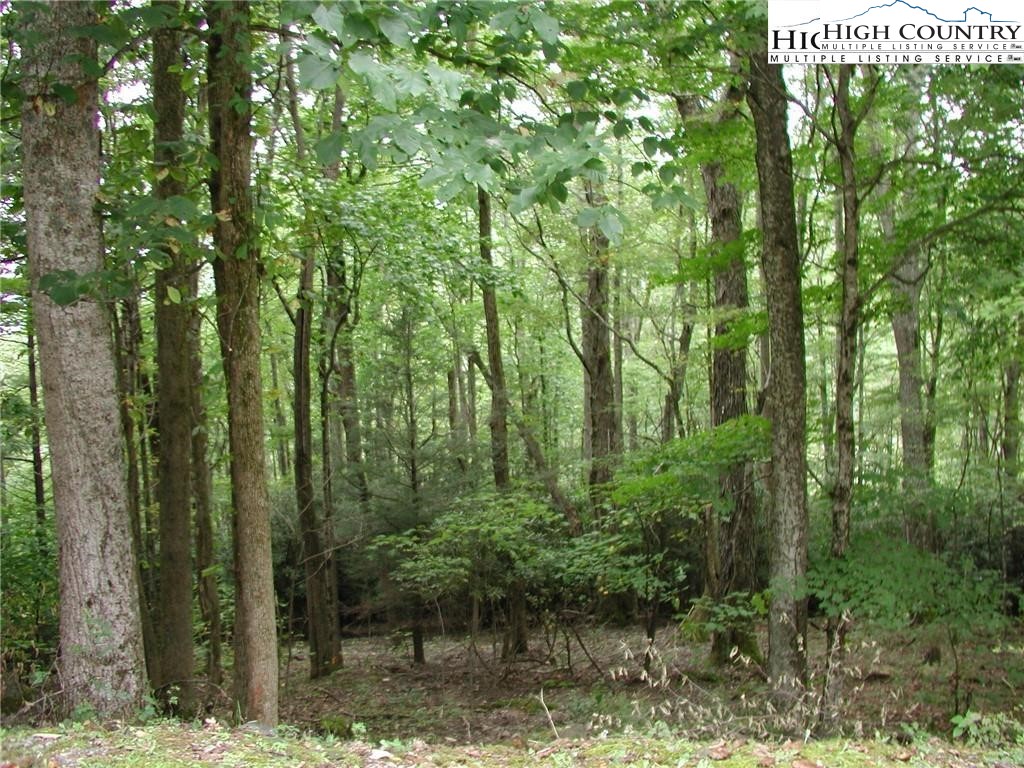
x=573, y=686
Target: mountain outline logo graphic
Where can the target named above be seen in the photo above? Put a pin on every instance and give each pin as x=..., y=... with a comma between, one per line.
x=910, y=6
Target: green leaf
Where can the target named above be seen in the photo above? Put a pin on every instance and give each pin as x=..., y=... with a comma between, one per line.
x=316, y=72
x=446, y=81
x=524, y=200
x=481, y=175
x=588, y=217
x=408, y=82
x=639, y=168
x=362, y=63
x=396, y=30
x=384, y=93
x=407, y=139
x=611, y=225
x=504, y=20
x=330, y=18
x=576, y=89
x=328, y=149
x=65, y=92
x=545, y=26
x=622, y=96
x=173, y=295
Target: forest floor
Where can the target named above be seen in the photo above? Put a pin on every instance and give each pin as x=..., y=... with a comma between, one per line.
x=594, y=707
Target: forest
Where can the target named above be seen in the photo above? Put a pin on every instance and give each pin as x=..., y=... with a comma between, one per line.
x=560, y=376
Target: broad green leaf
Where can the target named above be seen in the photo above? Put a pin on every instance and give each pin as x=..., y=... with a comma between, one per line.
x=362, y=63
x=407, y=139
x=409, y=82
x=588, y=217
x=65, y=92
x=330, y=18
x=446, y=81
x=577, y=90
x=545, y=26
x=173, y=295
x=480, y=174
x=611, y=225
x=396, y=30
x=316, y=72
x=328, y=149
x=503, y=21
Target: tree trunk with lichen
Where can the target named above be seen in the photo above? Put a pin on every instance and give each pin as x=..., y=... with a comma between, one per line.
x=100, y=661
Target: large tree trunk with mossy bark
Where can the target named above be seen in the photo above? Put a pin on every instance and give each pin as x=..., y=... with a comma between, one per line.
x=100, y=659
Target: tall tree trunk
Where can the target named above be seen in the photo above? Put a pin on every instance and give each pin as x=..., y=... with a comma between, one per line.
x=144, y=565
x=846, y=340
x=202, y=491
x=38, y=471
x=499, y=393
x=282, y=461
x=847, y=336
x=736, y=550
x=237, y=277
x=349, y=405
x=101, y=649
x=597, y=354
x=786, y=396
x=321, y=612
x=322, y=627
x=617, y=358
x=174, y=491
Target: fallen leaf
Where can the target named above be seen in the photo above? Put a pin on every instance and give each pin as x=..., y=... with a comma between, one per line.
x=381, y=754
x=721, y=752
x=801, y=763
x=904, y=755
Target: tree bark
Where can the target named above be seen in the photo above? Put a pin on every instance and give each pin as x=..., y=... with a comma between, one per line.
x=321, y=611
x=237, y=278
x=499, y=393
x=100, y=659
x=597, y=355
x=322, y=626
x=174, y=492
x=202, y=491
x=282, y=460
x=144, y=565
x=846, y=340
x=786, y=398
x=736, y=551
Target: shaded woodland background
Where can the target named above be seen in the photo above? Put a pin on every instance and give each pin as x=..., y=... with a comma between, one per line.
x=487, y=318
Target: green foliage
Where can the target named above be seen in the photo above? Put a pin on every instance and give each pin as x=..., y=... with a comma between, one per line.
x=737, y=611
x=887, y=581
x=684, y=473
x=989, y=730
x=485, y=545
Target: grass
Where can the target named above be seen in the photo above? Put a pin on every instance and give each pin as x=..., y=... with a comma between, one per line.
x=182, y=745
